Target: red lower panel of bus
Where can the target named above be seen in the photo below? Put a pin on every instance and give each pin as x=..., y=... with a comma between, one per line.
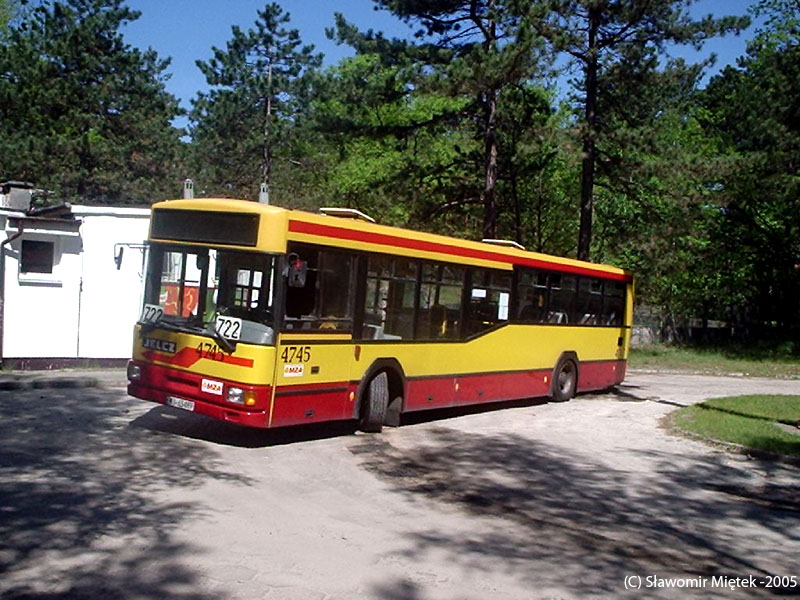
x=200, y=394
x=440, y=392
x=300, y=404
x=313, y=403
x=600, y=375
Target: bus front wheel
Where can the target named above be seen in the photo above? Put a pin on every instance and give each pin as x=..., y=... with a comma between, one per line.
x=565, y=380
x=375, y=403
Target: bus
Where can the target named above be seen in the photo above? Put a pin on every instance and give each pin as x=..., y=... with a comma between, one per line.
x=268, y=317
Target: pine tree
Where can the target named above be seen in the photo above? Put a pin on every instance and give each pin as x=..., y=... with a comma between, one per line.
x=244, y=123
x=753, y=108
x=599, y=35
x=466, y=48
x=84, y=114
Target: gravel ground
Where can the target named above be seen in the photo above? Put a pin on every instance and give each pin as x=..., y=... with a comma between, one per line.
x=105, y=496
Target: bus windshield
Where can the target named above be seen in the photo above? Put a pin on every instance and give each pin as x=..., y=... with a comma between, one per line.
x=225, y=293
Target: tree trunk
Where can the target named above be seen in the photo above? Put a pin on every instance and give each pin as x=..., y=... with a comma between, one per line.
x=490, y=138
x=512, y=175
x=587, y=173
x=490, y=167
x=266, y=165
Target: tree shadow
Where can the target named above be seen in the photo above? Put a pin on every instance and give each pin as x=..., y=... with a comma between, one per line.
x=439, y=414
x=398, y=590
x=78, y=513
x=164, y=419
x=550, y=506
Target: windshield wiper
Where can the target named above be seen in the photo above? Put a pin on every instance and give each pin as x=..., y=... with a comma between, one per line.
x=227, y=345
x=170, y=326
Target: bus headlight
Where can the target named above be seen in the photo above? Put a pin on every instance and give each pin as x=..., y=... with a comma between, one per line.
x=239, y=396
x=134, y=372
x=235, y=395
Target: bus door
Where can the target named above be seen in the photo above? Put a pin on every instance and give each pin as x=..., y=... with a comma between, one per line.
x=315, y=347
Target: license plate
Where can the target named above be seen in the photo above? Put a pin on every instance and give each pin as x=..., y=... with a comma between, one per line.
x=180, y=403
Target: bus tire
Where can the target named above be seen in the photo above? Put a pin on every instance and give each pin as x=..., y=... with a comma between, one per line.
x=375, y=403
x=565, y=380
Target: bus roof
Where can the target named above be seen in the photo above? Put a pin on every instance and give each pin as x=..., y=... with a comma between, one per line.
x=360, y=235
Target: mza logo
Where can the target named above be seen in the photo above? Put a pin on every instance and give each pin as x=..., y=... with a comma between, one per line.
x=160, y=345
x=212, y=387
x=293, y=370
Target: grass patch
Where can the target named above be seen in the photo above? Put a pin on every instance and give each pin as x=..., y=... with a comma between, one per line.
x=759, y=422
x=714, y=361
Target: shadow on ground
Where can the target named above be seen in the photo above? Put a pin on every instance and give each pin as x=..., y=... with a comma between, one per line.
x=77, y=517
x=586, y=525
x=174, y=421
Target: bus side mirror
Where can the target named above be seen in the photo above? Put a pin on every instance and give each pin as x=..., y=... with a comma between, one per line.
x=297, y=270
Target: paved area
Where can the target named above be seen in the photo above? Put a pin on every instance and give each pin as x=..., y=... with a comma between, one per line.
x=105, y=496
x=62, y=378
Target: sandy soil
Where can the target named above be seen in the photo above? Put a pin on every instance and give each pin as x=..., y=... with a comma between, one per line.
x=104, y=496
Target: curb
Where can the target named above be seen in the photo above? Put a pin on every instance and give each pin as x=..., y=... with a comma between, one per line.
x=48, y=382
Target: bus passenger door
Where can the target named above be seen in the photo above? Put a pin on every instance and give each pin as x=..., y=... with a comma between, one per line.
x=315, y=351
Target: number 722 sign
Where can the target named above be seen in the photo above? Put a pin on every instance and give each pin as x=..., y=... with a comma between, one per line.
x=228, y=327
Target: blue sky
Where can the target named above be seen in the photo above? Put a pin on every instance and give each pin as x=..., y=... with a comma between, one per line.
x=185, y=30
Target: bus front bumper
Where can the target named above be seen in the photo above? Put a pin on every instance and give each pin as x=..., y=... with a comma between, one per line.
x=184, y=390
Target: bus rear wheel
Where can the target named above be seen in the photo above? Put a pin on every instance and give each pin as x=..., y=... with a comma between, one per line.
x=565, y=380
x=374, y=404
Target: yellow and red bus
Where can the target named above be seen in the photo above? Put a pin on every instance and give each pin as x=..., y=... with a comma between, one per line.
x=267, y=317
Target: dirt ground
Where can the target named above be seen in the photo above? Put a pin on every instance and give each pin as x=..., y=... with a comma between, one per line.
x=105, y=496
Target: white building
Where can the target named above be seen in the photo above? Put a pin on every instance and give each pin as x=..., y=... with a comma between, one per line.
x=70, y=283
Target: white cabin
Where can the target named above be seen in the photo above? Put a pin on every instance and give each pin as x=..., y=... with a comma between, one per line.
x=71, y=284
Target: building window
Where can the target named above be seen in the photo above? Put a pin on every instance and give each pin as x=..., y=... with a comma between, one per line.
x=37, y=256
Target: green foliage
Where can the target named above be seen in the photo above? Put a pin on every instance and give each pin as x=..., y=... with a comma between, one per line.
x=654, y=209
x=753, y=110
x=248, y=122
x=7, y=13
x=454, y=131
x=441, y=96
x=615, y=44
x=84, y=114
x=768, y=359
x=391, y=142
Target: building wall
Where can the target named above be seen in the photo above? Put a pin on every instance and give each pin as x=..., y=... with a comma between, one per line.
x=41, y=310
x=86, y=308
x=111, y=299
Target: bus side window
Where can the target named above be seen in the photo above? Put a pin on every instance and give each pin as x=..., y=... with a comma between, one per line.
x=532, y=293
x=488, y=299
x=440, y=302
x=335, y=309
x=300, y=301
x=590, y=301
x=561, y=309
x=325, y=302
x=613, y=303
x=391, y=293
